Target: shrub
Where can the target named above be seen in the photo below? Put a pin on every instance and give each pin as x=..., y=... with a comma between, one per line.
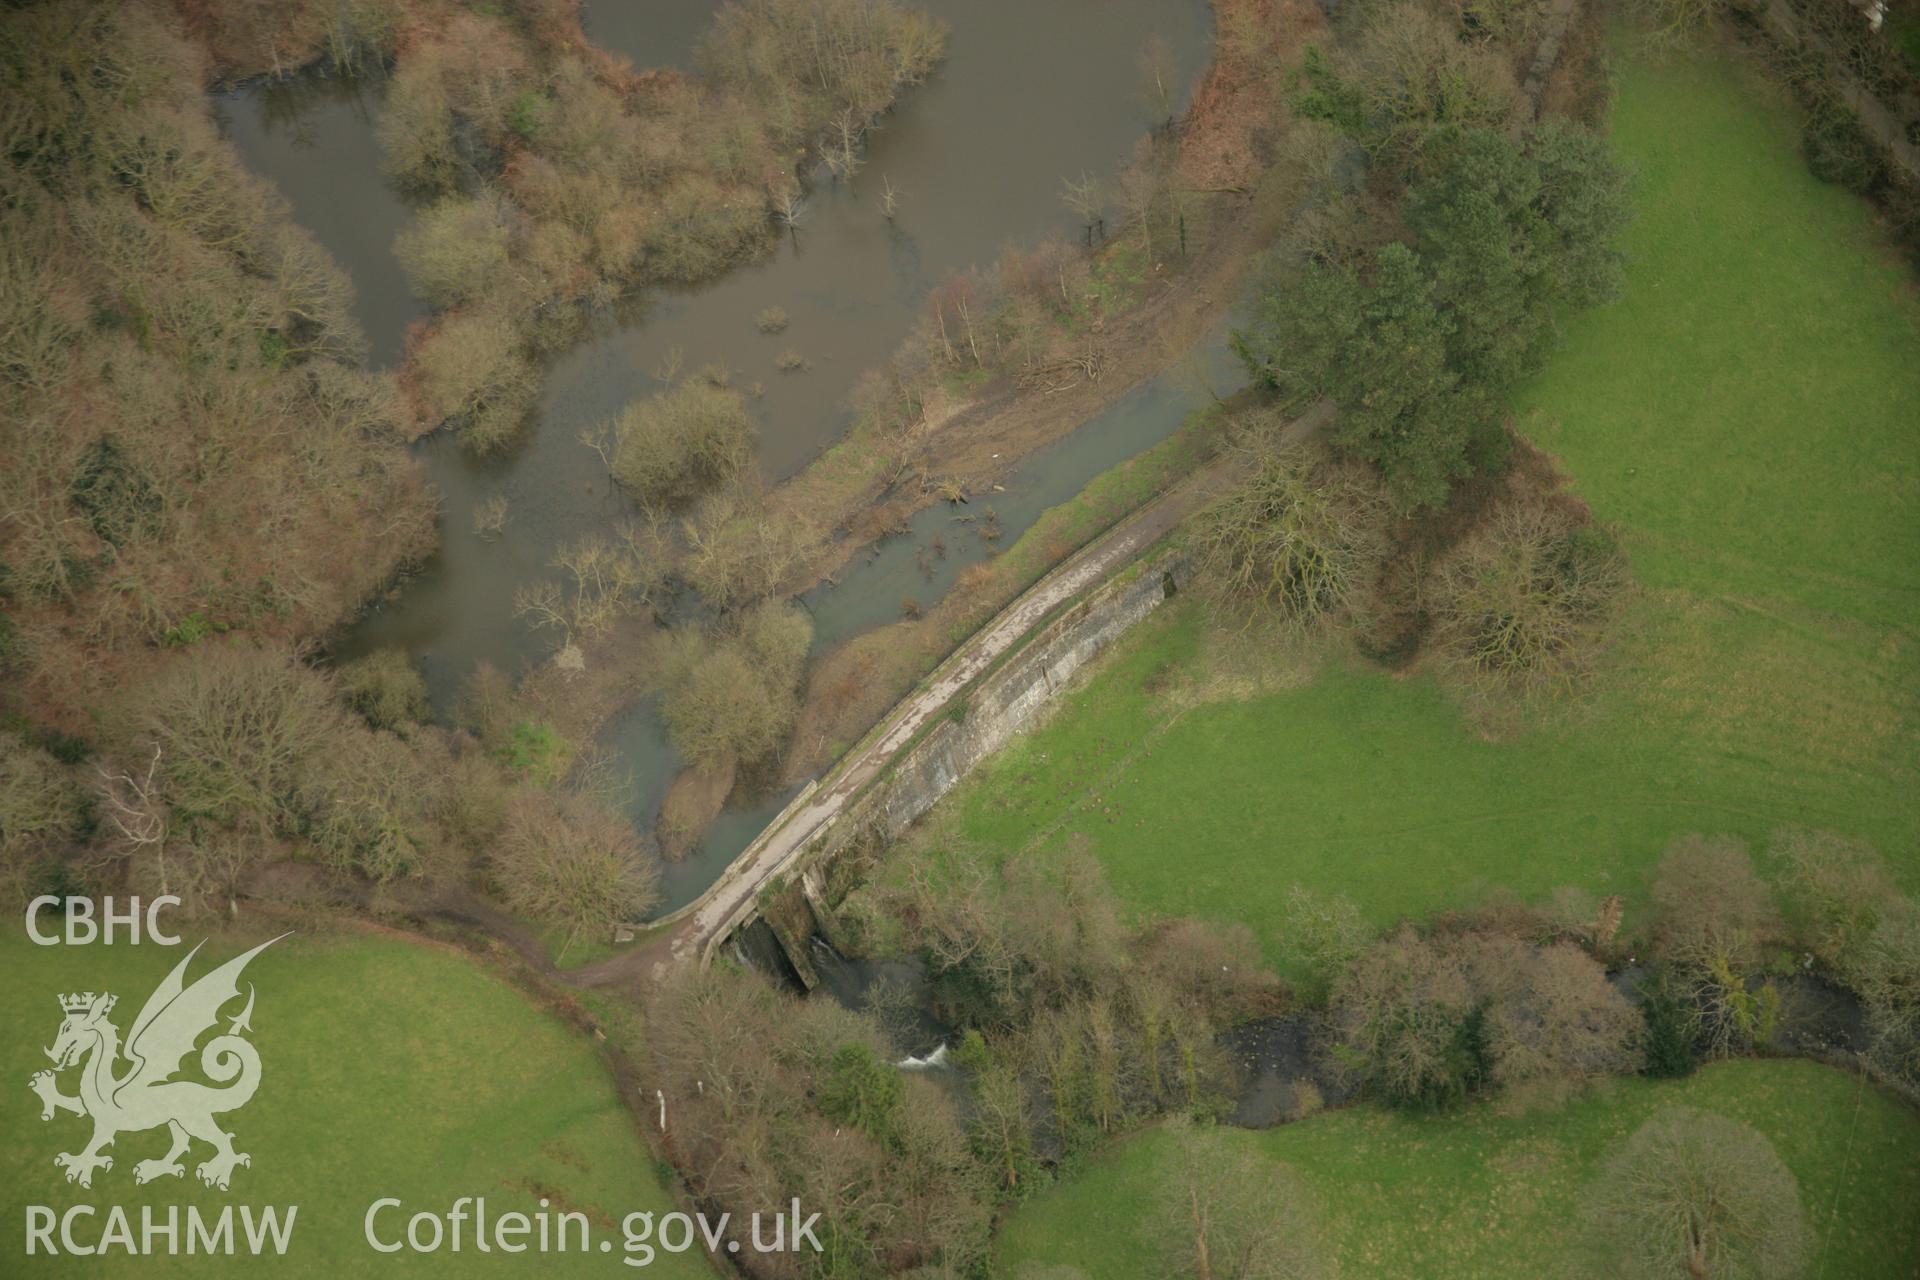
x=732, y=696
x=535, y=752
x=472, y=374
x=385, y=689
x=457, y=249
x=673, y=446
x=1839, y=151
x=572, y=866
x=971, y=1055
x=490, y=517
x=771, y=320
x=1307, y=1100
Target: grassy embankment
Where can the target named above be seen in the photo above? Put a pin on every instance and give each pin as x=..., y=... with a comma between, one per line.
x=1745, y=417
x=1486, y=1195
x=388, y=1068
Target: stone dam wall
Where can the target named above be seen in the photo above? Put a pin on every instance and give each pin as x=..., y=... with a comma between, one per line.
x=985, y=718
x=1008, y=700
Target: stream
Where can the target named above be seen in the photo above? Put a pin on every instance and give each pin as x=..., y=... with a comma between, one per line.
x=976, y=175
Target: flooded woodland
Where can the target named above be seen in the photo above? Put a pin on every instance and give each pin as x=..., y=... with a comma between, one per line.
x=978, y=156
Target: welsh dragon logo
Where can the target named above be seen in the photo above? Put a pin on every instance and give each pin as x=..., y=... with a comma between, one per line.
x=145, y=1095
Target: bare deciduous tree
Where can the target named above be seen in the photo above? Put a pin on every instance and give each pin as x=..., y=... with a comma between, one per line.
x=1554, y=1015
x=841, y=149
x=604, y=579
x=572, y=866
x=134, y=806
x=1524, y=604
x=1886, y=972
x=789, y=209
x=1002, y=1126
x=1834, y=889
x=1706, y=890
x=736, y=553
x=1696, y=1194
x=1294, y=539
x=1087, y=198
x=1226, y=1213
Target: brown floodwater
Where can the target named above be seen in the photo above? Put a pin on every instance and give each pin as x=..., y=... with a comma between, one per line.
x=311, y=135
x=1030, y=93
x=653, y=33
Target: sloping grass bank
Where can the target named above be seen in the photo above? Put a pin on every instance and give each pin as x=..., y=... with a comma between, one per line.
x=1746, y=417
x=387, y=1069
x=1485, y=1195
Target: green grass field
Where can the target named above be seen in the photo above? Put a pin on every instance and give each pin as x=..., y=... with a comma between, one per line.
x=1747, y=417
x=389, y=1068
x=1479, y=1194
